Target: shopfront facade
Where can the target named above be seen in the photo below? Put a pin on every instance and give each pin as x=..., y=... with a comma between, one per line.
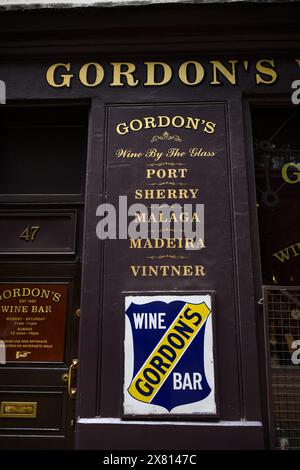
x=115, y=338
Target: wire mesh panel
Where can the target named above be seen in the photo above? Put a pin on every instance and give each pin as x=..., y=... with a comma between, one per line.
x=282, y=308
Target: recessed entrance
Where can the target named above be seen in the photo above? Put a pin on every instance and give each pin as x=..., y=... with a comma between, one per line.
x=277, y=157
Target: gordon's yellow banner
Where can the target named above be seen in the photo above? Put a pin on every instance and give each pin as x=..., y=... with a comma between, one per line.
x=168, y=351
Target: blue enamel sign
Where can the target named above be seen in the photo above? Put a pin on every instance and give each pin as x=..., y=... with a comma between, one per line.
x=169, y=355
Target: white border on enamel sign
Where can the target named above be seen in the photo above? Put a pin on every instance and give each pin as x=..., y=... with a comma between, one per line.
x=205, y=406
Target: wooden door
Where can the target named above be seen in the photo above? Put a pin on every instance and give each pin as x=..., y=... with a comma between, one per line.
x=41, y=225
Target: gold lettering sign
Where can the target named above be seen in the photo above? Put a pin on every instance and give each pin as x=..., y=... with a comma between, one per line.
x=153, y=74
x=32, y=321
x=172, y=154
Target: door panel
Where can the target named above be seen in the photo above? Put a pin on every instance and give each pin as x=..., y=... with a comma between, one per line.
x=39, y=377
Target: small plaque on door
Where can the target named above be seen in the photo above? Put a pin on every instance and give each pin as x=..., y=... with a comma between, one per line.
x=36, y=233
x=32, y=321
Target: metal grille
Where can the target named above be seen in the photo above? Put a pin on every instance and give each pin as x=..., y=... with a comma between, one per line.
x=282, y=308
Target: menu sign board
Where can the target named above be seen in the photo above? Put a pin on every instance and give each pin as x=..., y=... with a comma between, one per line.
x=32, y=321
x=167, y=229
x=169, y=162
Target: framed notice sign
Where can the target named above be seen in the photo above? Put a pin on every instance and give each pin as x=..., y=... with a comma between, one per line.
x=32, y=321
x=169, y=357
